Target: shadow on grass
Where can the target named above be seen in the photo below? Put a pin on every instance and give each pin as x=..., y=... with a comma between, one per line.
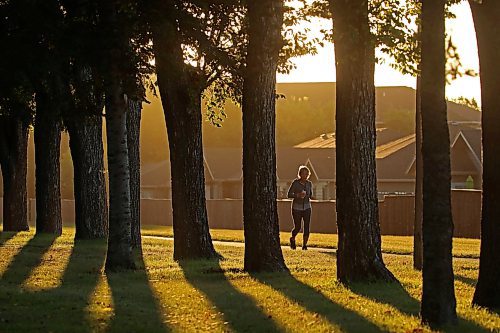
x=314, y=301
x=79, y=281
x=395, y=295
x=136, y=308
x=6, y=235
x=59, y=309
x=208, y=277
x=467, y=280
x=27, y=259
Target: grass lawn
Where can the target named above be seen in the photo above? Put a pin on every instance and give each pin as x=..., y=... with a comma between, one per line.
x=55, y=285
x=462, y=247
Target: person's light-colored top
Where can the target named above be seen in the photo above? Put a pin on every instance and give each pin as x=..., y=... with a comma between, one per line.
x=294, y=191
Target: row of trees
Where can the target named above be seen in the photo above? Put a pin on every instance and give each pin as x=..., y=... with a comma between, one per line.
x=67, y=61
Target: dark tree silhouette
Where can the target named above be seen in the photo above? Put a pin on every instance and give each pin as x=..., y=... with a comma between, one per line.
x=119, y=255
x=48, y=126
x=438, y=297
x=359, y=256
x=91, y=203
x=417, y=226
x=14, y=163
x=133, y=137
x=16, y=97
x=486, y=15
x=260, y=217
x=83, y=120
x=181, y=87
x=45, y=21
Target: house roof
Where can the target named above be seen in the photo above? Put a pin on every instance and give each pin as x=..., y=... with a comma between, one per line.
x=395, y=156
x=390, y=148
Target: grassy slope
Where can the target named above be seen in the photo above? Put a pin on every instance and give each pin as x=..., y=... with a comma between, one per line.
x=462, y=247
x=50, y=285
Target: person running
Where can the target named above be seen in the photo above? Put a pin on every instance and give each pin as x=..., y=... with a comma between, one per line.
x=301, y=192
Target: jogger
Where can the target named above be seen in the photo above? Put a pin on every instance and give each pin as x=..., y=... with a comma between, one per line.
x=301, y=192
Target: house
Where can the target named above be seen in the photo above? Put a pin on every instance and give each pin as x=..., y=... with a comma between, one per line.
x=395, y=157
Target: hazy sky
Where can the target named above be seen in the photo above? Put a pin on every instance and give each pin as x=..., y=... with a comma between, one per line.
x=321, y=67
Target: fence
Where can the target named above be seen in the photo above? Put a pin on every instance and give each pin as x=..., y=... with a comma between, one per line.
x=396, y=214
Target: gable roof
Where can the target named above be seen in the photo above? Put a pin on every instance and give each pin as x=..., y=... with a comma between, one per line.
x=395, y=156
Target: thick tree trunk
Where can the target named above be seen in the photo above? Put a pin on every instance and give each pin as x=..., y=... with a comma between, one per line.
x=486, y=16
x=14, y=164
x=48, y=127
x=91, y=204
x=181, y=100
x=438, y=296
x=119, y=254
x=359, y=255
x=418, y=255
x=260, y=216
x=133, y=138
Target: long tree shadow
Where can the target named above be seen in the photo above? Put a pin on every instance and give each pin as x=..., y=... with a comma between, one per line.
x=27, y=259
x=6, y=236
x=208, y=277
x=393, y=294
x=396, y=295
x=59, y=309
x=79, y=281
x=314, y=301
x=467, y=280
x=135, y=307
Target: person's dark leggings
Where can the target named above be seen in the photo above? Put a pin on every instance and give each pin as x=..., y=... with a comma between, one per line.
x=298, y=216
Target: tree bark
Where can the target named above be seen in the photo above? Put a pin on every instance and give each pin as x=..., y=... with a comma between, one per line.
x=260, y=216
x=359, y=255
x=486, y=16
x=91, y=204
x=418, y=254
x=119, y=254
x=438, y=296
x=180, y=91
x=14, y=164
x=133, y=138
x=48, y=126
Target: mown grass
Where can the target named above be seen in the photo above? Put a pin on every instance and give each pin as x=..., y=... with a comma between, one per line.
x=462, y=247
x=55, y=285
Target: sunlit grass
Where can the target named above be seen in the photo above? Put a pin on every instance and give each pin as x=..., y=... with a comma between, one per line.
x=74, y=295
x=100, y=306
x=10, y=247
x=48, y=274
x=462, y=247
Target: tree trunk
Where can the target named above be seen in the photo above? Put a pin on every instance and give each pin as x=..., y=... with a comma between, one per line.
x=181, y=100
x=133, y=138
x=120, y=240
x=119, y=254
x=91, y=204
x=260, y=215
x=417, y=227
x=14, y=164
x=438, y=296
x=486, y=16
x=359, y=255
x=48, y=127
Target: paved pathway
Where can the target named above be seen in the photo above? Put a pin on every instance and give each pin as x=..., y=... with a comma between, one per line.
x=287, y=247
x=241, y=244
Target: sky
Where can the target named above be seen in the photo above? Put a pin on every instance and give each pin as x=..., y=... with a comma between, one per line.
x=321, y=67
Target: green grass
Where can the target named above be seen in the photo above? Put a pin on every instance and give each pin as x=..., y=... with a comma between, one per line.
x=53, y=285
x=462, y=247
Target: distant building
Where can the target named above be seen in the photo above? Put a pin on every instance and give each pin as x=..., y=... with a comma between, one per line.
x=395, y=157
